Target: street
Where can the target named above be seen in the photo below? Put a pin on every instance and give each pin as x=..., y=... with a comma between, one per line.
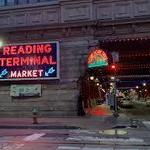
x=76, y=139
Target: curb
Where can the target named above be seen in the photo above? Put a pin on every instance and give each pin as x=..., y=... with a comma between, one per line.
x=37, y=127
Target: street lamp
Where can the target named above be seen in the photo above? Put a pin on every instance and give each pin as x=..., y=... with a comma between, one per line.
x=113, y=69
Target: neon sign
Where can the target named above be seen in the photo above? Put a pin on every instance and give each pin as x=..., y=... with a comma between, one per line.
x=97, y=58
x=29, y=61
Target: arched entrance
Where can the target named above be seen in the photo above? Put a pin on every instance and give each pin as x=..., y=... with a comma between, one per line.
x=94, y=83
x=133, y=77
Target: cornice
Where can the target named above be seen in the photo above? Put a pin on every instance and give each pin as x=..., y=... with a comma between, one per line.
x=94, y=23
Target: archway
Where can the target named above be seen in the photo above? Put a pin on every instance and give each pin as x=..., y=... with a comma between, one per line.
x=94, y=83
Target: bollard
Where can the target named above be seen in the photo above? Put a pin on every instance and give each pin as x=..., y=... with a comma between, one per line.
x=35, y=113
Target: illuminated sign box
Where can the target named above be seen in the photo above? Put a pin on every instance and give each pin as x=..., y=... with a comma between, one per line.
x=31, y=61
x=97, y=58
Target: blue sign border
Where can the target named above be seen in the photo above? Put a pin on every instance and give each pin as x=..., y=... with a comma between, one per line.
x=39, y=78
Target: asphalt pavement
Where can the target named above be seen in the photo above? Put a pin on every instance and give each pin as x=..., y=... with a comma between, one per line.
x=85, y=122
x=75, y=133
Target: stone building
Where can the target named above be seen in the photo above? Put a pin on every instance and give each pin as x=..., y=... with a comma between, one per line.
x=78, y=26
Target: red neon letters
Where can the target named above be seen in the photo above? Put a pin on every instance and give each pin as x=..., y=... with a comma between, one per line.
x=27, y=49
x=18, y=55
x=22, y=61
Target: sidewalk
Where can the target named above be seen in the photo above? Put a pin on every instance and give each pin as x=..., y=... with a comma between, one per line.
x=85, y=122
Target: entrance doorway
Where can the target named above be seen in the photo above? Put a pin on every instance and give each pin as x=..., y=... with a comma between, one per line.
x=94, y=87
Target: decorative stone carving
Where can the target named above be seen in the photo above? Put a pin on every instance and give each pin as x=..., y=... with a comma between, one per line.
x=19, y=19
x=76, y=12
x=103, y=11
x=122, y=10
x=141, y=7
x=35, y=17
x=51, y=16
x=4, y=20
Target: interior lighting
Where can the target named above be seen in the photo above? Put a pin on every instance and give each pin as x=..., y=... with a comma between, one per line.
x=91, y=77
x=96, y=80
x=112, y=78
x=137, y=87
x=144, y=84
x=111, y=84
x=97, y=84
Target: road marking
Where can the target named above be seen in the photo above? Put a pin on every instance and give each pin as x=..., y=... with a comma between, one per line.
x=128, y=149
x=91, y=148
x=19, y=146
x=68, y=148
x=98, y=139
x=8, y=148
x=146, y=123
x=82, y=131
x=33, y=137
x=122, y=140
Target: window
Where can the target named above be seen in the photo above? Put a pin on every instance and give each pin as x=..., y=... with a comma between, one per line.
x=19, y=2
x=22, y=1
x=33, y=1
x=2, y=2
x=42, y=0
x=10, y=2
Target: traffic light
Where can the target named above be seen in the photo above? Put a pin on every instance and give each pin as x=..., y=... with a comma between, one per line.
x=113, y=68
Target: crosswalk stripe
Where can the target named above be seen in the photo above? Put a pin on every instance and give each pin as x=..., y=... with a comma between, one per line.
x=33, y=137
x=91, y=148
x=68, y=148
x=98, y=139
x=146, y=123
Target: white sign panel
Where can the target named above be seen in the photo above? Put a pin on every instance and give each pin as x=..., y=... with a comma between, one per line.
x=25, y=90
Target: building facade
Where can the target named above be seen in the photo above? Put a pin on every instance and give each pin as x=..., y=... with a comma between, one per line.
x=78, y=26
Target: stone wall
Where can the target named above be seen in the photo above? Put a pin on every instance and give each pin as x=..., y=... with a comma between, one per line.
x=77, y=25
x=65, y=11
x=59, y=97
